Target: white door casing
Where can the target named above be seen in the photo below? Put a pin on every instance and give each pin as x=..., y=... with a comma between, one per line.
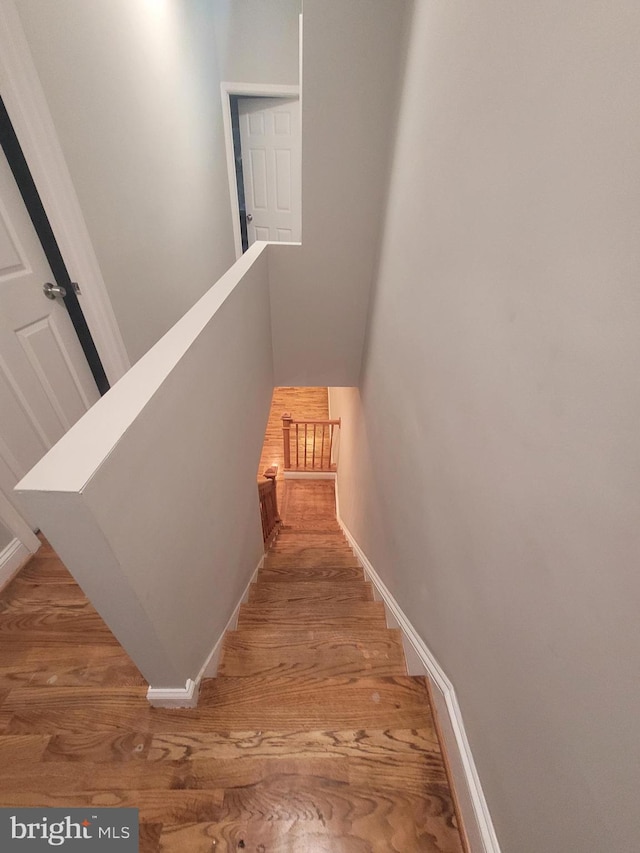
x=45, y=381
x=271, y=165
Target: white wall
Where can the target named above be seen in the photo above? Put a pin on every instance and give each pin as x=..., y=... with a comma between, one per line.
x=352, y=58
x=257, y=40
x=490, y=467
x=151, y=499
x=133, y=89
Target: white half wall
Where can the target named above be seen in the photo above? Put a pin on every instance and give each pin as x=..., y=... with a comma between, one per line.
x=151, y=500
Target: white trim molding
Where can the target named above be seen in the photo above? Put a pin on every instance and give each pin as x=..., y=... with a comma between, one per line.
x=264, y=90
x=174, y=697
x=26, y=104
x=471, y=800
x=187, y=696
x=12, y=558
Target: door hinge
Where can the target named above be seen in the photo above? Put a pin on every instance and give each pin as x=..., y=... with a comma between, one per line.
x=76, y=288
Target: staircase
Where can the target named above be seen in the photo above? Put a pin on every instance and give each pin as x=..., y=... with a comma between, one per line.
x=349, y=758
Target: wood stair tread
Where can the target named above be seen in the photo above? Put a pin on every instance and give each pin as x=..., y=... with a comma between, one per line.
x=290, y=533
x=310, y=574
x=227, y=704
x=313, y=702
x=328, y=543
x=329, y=591
x=324, y=815
x=312, y=614
x=320, y=652
x=310, y=560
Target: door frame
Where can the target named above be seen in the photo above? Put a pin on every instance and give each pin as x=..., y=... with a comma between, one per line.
x=42, y=227
x=249, y=90
x=29, y=114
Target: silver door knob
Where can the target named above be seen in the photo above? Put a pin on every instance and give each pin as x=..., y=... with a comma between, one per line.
x=53, y=290
x=249, y=217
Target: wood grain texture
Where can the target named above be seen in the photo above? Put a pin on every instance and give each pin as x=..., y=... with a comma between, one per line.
x=317, y=591
x=301, y=614
x=312, y=403
x=311, y=557
x=311, y=813
x=276, y=574
x=312, y=738
x=308, y=652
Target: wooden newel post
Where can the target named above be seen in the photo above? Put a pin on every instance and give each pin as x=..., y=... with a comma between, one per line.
x=270, y=475
x=286, y=438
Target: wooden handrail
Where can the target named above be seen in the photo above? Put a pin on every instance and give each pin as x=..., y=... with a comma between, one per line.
x=325, y=421
x=308, y=443
x=268, y=499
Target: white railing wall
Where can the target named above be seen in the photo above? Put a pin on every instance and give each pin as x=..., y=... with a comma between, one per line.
x=150, y=499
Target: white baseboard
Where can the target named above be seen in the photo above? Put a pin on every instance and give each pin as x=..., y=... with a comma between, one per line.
x=210, y=668
x=474, y=811
x=187, y=696
x=11, y=559
x=174, y=697
x=309, y=475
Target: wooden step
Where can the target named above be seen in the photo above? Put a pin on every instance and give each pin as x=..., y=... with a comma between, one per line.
x=328, y=591
x=311, y=557
x=300, y=548
x=311, y=574
x=311, y=541
x=338, y=702
x=320, y=652
x=311, y=812
x=291, y=533
x=318, y=528
x=315, y=552
x=66, y=777
x=304, y=614
x=226, y=704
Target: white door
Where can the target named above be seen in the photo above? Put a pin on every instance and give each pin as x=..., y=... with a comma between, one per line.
x=45, y=381
x=271, y=167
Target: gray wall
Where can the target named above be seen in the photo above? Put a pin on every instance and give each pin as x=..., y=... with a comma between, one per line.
x=257, y=40
x=352, y=60
x=490, y=464
x=133, y=89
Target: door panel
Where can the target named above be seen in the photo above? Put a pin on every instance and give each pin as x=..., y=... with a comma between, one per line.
x=45, y=381
x=270, y=142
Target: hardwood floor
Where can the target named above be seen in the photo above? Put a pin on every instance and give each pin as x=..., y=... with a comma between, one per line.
x=312, y=403
x=312, y=738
